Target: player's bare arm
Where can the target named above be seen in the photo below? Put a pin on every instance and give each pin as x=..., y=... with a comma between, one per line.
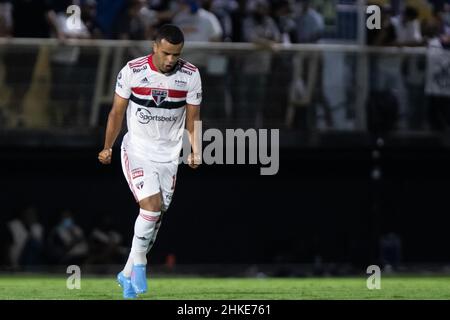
x=192, y=115
x=113, y=127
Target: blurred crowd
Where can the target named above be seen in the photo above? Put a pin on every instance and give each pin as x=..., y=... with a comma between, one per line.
x=258, y=21
x=201, y=20
x=296, y=21
x=27, y=242
x=404, y=90
x=400, y=85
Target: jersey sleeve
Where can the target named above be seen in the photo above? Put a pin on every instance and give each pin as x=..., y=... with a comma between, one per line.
x=194, y=95
x=123, y=83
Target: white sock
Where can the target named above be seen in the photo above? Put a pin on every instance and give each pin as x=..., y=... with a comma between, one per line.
x=155, y=233
x=128, y=266
x=144, y=229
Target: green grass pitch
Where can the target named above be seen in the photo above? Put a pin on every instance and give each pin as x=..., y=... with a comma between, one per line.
x=161, y=288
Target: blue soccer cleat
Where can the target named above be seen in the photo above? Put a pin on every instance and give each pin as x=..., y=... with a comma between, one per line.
x=125, y=283
x=138, y=278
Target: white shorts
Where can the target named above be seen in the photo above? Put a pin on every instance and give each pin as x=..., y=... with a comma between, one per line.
x=146, y=178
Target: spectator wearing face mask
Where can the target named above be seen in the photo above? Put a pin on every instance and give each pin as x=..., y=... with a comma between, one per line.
x=67, y=243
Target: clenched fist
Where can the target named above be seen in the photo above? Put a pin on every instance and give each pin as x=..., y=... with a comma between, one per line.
x=105, y=156
x=194, y=160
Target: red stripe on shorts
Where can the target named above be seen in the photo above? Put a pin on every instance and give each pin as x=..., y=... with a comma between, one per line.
x=127, y=169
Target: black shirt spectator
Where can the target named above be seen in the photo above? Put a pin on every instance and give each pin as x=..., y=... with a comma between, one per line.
x=131, y=25
x=30, y=18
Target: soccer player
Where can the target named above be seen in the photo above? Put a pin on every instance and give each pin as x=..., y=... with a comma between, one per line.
x=160, y=93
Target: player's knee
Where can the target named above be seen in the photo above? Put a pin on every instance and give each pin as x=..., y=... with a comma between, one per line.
x=152, y=203
x=150, y=206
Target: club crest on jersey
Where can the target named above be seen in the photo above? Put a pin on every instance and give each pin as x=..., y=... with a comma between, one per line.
x=140, y=185
x=159, y=95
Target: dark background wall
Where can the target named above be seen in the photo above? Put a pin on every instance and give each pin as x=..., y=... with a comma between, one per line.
x=322, y=202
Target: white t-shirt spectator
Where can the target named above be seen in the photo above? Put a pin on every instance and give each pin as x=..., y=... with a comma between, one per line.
x=200, y=26
x=68, y=55
x=409, y=32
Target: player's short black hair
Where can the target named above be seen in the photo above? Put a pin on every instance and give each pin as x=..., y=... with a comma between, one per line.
x=171, y=33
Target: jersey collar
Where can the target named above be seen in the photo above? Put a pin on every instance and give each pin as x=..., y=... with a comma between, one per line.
x=151, y=64
x=153, y=67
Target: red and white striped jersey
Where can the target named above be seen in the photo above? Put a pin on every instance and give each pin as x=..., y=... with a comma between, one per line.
x=156, y=109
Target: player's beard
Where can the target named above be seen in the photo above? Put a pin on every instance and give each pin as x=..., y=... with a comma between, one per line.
x=167, y=69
